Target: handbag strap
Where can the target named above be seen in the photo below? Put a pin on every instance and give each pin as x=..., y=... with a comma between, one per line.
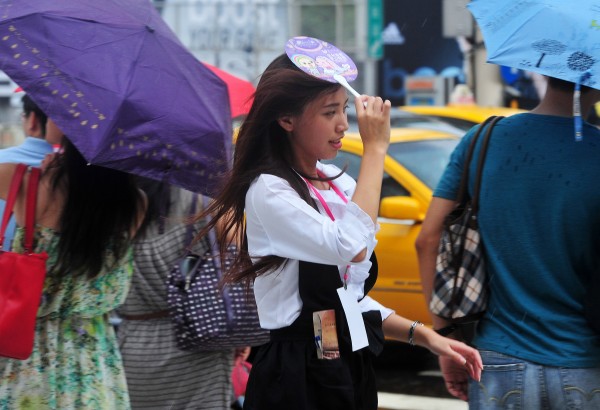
x=211, y=236
x=15, y=184
x=190, y=226
x=481, y=162
x=464, y=180
x=32, y=190
x=31, y=200
x=212, y=239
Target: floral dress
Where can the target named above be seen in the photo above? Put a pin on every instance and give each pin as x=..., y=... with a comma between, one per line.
x=75, y=362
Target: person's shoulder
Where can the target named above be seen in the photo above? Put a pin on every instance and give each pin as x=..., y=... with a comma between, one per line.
x=31, y=151
x=7, y=153
x=273, y=183
x=544, y=124
x=268, y=184
x=529, y=119
x=8, y=166
x=269, y=190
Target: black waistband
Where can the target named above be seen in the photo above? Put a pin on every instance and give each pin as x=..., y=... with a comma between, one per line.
x=301, y=329
x=278, y=335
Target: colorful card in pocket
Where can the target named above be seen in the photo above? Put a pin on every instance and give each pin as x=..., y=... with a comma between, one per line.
x=326, y=339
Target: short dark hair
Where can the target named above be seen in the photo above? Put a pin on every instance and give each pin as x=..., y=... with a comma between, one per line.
x=563, y=85
x=31, y=107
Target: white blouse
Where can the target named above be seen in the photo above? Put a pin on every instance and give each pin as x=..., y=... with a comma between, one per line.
x=280, y=223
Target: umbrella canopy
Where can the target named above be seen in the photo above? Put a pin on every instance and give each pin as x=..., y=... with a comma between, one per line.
x=241, y=92
x=557, y=38
x=121, y=86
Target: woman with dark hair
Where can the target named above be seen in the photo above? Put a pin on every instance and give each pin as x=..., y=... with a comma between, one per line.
x=85, y=218
x=308, y=232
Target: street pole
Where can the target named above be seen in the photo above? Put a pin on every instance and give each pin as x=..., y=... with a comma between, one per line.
x=487, y=83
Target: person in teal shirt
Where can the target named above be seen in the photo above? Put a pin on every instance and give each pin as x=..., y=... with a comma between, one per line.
x=540, y=228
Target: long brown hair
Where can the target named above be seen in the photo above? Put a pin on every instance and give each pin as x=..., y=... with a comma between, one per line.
x=263, y=147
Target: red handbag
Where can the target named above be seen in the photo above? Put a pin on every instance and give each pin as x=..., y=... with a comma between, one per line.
x=21, y=276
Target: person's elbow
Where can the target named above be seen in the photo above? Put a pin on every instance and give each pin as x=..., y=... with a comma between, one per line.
x=433, y=225
x=359, y=257
x=426, y=241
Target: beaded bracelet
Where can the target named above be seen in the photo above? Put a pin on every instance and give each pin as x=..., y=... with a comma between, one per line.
x=411, y=332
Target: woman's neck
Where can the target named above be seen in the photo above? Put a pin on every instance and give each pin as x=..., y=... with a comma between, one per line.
x=313, y=177
x=307, y=170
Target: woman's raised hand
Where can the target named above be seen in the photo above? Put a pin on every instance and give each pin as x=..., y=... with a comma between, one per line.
x=373, y=121
x=374, y=128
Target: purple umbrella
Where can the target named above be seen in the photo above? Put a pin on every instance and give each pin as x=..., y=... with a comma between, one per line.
x=121, y=86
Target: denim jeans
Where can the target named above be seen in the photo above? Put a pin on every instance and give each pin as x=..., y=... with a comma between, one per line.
x=511, y=383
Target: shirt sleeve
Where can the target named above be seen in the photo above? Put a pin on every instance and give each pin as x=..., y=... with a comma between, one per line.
x=449, y=184
x=368, y=304
x=281, y=223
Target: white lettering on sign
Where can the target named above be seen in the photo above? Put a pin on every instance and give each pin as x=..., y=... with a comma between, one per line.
x=228, y=24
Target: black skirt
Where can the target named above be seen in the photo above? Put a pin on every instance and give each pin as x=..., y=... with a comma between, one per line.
x=286, y=372
x=288, y=375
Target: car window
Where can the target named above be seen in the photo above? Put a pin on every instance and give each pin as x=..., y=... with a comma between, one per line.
x=426, y=159
x=422, y=123
x=464, y=125
x=389, y=186
x=345, y=159
x=404, y=119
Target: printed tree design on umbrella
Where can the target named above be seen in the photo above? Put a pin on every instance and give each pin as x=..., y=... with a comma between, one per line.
x=551, y=47
x=579, y=61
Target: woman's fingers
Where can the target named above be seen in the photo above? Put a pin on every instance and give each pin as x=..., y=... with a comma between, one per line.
x=470, y=358
x=374, y=120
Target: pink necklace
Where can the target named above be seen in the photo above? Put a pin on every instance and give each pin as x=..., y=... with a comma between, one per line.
x=328, y=210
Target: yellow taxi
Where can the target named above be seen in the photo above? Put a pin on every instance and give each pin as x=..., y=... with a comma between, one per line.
x=461, y=116
x=414, y=164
